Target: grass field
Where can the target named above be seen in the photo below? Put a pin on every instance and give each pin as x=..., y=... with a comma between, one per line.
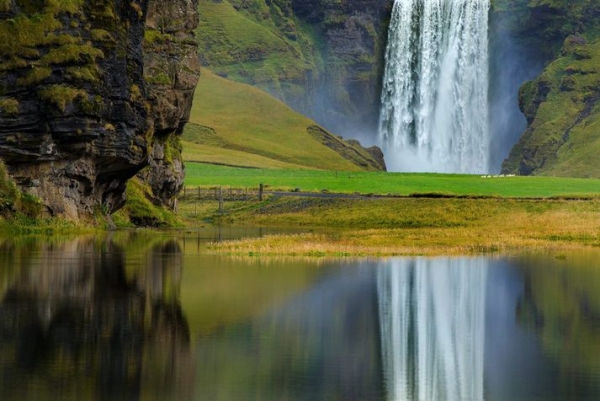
x=390, y=183
x=236, y=124
x=405, y=226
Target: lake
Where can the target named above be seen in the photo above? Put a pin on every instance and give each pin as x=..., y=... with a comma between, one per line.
x=152, y=316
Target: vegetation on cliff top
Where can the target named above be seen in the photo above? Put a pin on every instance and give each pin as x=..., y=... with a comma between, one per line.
x=35, y=44
x=562, y=104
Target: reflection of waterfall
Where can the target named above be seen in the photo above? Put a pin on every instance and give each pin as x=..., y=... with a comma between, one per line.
x=432, y=327
x=434, y=114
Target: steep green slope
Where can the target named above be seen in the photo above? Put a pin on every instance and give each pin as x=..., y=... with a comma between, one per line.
x=324, y=58
x=563, y=110
x=562, y=104
x=237, y=124
x=258, y=43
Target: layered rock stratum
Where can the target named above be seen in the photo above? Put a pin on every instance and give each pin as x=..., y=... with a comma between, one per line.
x=93, y=93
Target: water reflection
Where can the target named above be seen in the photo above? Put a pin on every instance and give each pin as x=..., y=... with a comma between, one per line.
x=152, y=316
x=433, y=328
x=83, y=319
x=318, y=344
x=560, y=303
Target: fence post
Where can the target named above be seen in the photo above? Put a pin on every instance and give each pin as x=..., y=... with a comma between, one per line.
x=220, y=200
x=261, y=188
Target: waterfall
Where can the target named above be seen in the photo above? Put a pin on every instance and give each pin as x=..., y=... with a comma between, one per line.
x=434, y=113
x=433, y=328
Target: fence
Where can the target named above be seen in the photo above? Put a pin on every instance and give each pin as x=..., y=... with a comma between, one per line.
x=222, y=194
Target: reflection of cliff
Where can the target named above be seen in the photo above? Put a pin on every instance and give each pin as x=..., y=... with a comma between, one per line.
x=433, y=329
x=320, y=345
x=80, y=321
x=561, y=304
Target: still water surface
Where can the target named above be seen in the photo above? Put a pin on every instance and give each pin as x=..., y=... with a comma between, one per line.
x=151, y=315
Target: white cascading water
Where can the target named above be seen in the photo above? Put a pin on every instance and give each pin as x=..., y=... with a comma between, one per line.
x=434, y=113
x=433, y=328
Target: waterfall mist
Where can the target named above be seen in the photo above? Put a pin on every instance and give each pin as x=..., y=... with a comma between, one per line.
x=434, y=113
x=513, y=61
x=432, y=317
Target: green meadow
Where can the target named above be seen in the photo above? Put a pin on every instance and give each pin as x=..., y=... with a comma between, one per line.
x=381, y=183
x=479, y=215
x=236, y=124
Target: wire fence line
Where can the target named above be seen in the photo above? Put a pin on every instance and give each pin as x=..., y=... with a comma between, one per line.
x=222, y=194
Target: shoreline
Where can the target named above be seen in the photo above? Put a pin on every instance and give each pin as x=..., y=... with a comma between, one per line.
x=404, y=226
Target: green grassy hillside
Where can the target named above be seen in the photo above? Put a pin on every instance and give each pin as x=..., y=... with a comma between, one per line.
x=256, y=42
x=236, y=124
x=563, y=109
x=562, y=104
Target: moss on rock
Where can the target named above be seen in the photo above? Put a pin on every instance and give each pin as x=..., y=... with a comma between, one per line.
x=562, y=108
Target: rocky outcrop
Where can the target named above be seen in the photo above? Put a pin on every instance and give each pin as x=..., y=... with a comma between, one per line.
x=370, y=159
x=562, y=104
x=77, y=117
x=353, y=33
x=171, y=71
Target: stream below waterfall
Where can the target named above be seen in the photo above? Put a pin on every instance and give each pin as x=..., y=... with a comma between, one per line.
x=152, y=315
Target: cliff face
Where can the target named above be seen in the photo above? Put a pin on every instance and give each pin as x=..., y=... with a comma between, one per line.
x=171, y=71
x=353, y=35
x=76, y=114
x=322, y=57
x=562, y=105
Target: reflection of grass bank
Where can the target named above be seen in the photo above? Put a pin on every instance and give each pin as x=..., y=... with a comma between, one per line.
x=414, y=226
x=223, y=291
x=561, y=304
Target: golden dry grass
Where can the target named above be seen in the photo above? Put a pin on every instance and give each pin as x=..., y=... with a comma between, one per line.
x=473, y=227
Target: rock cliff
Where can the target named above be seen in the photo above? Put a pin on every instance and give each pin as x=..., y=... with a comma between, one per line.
x=82, y=104
x=171, y=72
x=562, y=104
x=322, y=57
x=352, y=36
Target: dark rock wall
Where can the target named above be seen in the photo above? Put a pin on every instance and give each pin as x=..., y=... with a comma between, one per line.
x=353, y=33
x=76, y=114
x=171, y=69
